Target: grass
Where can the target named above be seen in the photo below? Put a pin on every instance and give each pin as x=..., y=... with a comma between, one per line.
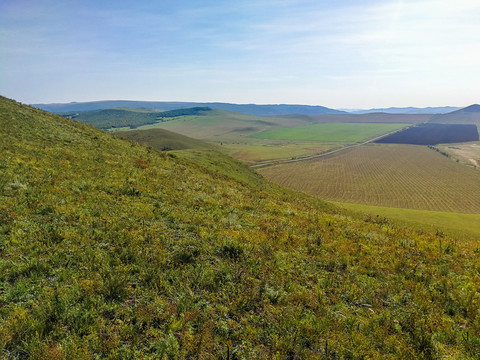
x=400, y=176
x=131, y=118
x=268, y=151
x=163, y=140
x=329, y=132
x=461, y=226
x=109, y=249
x=465, y=153
x=220, y=125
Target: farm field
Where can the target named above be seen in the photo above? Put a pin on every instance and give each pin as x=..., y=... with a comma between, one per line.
x=263, y=151
x=234, y=133
x=377, y=117
x=468, y=153
x=329, y=132
x=457, y=225
x=400, y=176
x=432, y=134
x=220, y=125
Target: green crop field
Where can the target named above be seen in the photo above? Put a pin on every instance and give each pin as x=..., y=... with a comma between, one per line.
x=460, y=226
x=401, y=176
x=328, y=132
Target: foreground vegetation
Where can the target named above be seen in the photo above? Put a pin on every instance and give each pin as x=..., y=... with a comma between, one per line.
x=113, y=250
x=400, y=176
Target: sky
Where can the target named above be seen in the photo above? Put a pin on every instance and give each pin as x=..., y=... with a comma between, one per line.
x=339, y=54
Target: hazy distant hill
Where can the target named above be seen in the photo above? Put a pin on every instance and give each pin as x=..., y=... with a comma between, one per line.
x=251, y=109
x=408, y=110
x=468, y=115
x=366, y=118
x=127, y=117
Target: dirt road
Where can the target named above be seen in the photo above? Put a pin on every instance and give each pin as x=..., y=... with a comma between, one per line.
x=330, y=152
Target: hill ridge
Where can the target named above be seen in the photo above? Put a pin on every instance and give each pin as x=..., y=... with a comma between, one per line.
x=251, y=109
x=467, y=115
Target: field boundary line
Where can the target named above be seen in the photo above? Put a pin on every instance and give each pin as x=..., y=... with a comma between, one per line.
x=329, y=152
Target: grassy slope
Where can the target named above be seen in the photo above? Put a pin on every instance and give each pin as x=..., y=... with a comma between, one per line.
x=327, y=132
x=458, y=117
x=132, y=118
x=219, y=124
x=463, y=226
x=108, y=118
x=113, y=250
x=161, y=139
x=401, y=176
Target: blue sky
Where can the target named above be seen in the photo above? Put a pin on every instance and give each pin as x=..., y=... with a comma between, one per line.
x=340, y=54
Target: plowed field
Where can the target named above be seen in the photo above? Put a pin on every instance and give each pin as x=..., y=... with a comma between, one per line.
x=432, y=134
x=402, y=176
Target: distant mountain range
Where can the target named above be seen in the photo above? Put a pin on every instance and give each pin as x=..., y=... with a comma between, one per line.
x=444, y=114
x=408, y=110
x=251, y=109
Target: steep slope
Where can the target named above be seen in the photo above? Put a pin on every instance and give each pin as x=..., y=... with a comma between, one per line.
x=468, y=115
x=113, y=250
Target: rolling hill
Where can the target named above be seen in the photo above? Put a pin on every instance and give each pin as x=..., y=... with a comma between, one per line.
x=409, y=110
x=164, y=140
x=367, y=118
x=468, y=115
x=130, y=117
x=109, y=249
x=251, y=109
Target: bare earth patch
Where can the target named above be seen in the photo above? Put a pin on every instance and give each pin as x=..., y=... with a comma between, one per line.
x=468, y=153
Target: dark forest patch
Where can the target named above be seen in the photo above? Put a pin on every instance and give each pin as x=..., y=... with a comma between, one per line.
x=431, y=134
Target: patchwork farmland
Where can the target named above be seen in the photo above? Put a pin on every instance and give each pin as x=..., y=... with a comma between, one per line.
x=329, y=132
x=401, y=176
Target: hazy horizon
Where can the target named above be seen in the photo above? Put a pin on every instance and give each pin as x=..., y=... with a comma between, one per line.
x=377, y=54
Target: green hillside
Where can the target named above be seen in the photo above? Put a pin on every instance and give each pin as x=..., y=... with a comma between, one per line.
x=131, y=118
x=217, y=125
x=163, y=140
x=109, y=249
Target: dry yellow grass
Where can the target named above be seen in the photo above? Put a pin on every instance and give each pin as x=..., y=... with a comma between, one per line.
x=401, y=176
x=467, y=153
